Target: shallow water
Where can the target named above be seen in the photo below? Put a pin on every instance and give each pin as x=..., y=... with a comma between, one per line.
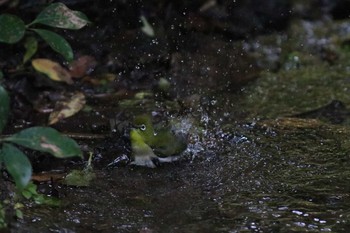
x=286, y=175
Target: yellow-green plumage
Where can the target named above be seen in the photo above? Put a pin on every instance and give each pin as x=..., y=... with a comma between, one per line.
x=142, y=154
x=149, y=144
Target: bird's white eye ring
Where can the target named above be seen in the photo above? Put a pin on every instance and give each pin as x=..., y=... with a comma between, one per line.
x=143, y=127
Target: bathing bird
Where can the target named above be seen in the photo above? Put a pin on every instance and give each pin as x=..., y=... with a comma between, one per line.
x=151, y=145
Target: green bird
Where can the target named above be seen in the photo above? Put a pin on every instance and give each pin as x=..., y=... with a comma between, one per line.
x=150, y=147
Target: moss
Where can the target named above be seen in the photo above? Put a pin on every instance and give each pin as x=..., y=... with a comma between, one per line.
x=298, y=90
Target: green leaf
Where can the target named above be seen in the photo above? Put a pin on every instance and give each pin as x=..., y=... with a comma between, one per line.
x=57, y=43
x=60, y=16
x=32, y=188
x=19, y=214
x=4, y=107
x=12, y=28
x=31, y=46
x=27, y=194
x=46, y=139
x=30, y=192
x=17, y=164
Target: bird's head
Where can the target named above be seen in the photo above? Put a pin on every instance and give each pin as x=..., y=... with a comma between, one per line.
x=143, y=126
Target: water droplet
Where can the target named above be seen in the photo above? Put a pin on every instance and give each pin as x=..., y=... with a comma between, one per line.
x=297, y=212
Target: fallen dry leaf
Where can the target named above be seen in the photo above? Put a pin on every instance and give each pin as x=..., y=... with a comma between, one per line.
x=82, y=66
x=103, y=79
x=67, y=108
x=52, y=69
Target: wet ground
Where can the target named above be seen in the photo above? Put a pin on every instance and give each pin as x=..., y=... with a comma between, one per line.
x=267, y=120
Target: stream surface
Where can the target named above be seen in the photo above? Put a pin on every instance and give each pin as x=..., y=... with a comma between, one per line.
x=283, y=175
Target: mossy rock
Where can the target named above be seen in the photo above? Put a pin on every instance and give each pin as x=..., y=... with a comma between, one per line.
x=295, y=91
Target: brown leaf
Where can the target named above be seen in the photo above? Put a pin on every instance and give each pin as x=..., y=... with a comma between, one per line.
x=82, y=66
x=68, y=108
